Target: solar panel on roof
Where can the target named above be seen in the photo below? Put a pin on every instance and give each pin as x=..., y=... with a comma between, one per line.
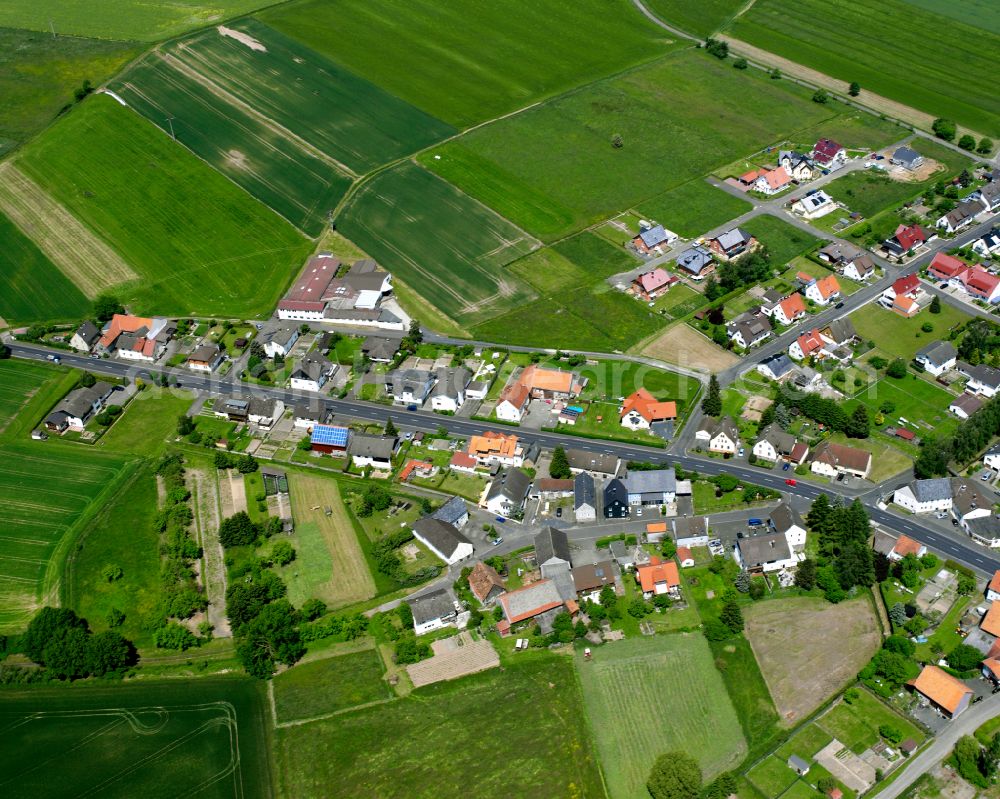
x=327, y=434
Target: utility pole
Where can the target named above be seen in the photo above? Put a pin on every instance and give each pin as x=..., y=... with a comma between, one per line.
x=52, y=27
x=170, y=121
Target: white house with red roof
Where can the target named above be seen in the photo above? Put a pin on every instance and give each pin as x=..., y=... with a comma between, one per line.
x=946, y=267
x=771, y=181
x=829, y=154
x=641, y=410
x=513, y=403
x=993, y=589
x=807, y=344
x=135, y=338
x=823, y=291
x=652, y=284
x=790, y=309
x=981, y=284
x=907, y=286
x=907, y=239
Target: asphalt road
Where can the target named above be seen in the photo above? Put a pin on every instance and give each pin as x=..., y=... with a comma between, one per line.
x=962, y=551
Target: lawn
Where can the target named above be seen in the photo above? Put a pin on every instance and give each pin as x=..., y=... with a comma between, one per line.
x=121, y=533
x=609, y=380
x=900, y=337
x=680, y=301
x=38, y=74
x=149, y=420
x=204, y=737
x=884, y=46
x=410, y=747
x=693, y=208
x=647, y=696
x=870, y=192
x=783, y=240
x=467, y=67
x=31, y=286
x=200, y=244
x=701, y=19
x=438, y=239
x=772, y=776
x=596, y=256
x=856, y=725
x=286, y=124
x=803, y=670
x=330, y=564
x=553, y=169
x=923, y=404
x=143, y=20
x=326, y=686
x=46, y=490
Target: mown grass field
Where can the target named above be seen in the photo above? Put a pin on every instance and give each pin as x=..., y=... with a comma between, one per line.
x=466, y=67
x=326, y=686
x=284, y=122
x=923, y=404
x=199, y=243
x=885, y=46
x=693, y=208
x=783, y=240
x=31, y=286
x=700, y=19
x=434, y=742
x=142, y=20
x=899, y=337
x=856, y=725
x=38, y=75
x=439, y=240
x=646, y=696
x=203, y=737
x=553, y=169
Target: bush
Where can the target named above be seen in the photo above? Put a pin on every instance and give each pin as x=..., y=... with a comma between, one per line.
x=897, y=369
x=282, y=553
x=173, y=636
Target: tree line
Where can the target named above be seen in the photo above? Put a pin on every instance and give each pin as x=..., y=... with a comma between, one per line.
x=968, y=440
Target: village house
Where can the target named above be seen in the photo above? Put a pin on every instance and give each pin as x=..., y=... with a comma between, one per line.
x=907, y=158
x=907, y=239
x=749, y=329
x=768, y=552
x=991, y=458
x=767, y=181
x=409, y=386
x=984, y=530
x=305, y=415
x=774, y=444
x=969, y=502
x=697, y=262
x=513, y=403
x=798, y=165
x=654, y=239
x=552, y=553
x=993, y=587
x=507, y=492
x=822, y=291
x=79, y=407
x=924, y=496
x=590, y=579
x=861, y=269
x=655, y=283
x=988, y=195
x=690, y=531
x=731, y=244
x=454, y=512
x=982, y=380
x=829, y=154
x=895, y=549
x=443, y=539
x=830, y=459
x=641, y=410
x=369, y=450
x=789, y=310
x=204, y=358
x=584, y=498
x=432, y=611
x=962, y=215
x=597, y=464
x=499, y=448
x=135, y=338
x=659, y=577
x=721, y=436
x=901, y=296
x=654, y=487
x=814, y=205
x=85, y=337
x=776, y=367
x=485, y=584
x=616, y=500
x=449, y=391
x=946, y=267
x=981, y=284
x=534, y=601
x=548, y=488
x=989, y=243
x=948, y=694
x=463, y=462
x=937, y=358
x=355, y=298
x=966, y=404
x=312, y=373
x=850, y=261
x=551, y=384
x=264, y=412
x=786, y=521
x=329, y=439
x=685, y=557
x=379, y=349
x=807, y=345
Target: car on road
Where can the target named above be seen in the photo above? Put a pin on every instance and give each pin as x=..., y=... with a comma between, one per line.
x=497, y=542
x=985, y=476
x=53, y=358
x=791, y=482
x=839, y=305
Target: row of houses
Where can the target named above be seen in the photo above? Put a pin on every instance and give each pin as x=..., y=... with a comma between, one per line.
x=962, y=499
x=977, y=281
x=447, y=388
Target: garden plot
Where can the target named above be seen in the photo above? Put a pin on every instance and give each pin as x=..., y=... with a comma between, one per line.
x=453, y=658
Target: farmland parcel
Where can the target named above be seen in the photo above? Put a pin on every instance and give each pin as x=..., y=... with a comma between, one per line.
x=439, y=240
x=277, y=118
x=208, y=735
x=409, y=747
x=647, y=696
x=466, y=66
x=892, y=48
x=199, y=243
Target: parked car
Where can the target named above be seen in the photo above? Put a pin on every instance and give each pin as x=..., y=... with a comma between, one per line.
x=754, y=522
x=791, y=482
x=411, y=407
x=740, y=453
x=839, y=305
x=786, y=466
x=497, y=542
x=501, y=519
x=559, y=513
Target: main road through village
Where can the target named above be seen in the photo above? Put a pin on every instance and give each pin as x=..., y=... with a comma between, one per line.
x=952, y=546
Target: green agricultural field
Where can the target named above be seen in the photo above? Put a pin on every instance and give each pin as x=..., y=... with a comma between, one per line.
x=205, y=737
x=536, y=703
x=856, y=130
x=693, y=208
x=548, y=272
x=19, y=381
x=885, y=47
x=121, y=533
x=899, y=337
x=143, y=20
x=285, y=123
x=199, y=243
x=870, y=192
x=646, y=696
x=438, y=240
x=467, y=67
x=701, y=19
x=598, y=257
x=553, y=169
x=322, y=687
x=31, y=286
x=45, y=490
x=38, y=75
x=923, y=404
x=978, y=13
x=783, y=240
x=747, y=688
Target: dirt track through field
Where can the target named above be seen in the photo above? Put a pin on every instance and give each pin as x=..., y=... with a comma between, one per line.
x=86, y=260
x=351, y=580
x=206, y=495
